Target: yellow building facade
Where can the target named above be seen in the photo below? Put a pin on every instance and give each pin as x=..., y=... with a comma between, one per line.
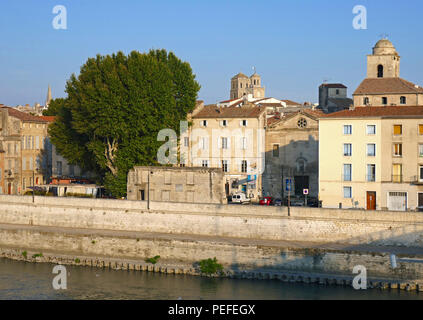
x=372, y=158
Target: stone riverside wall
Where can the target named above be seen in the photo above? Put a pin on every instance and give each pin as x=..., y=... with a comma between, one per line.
x=248, y=222
x=122, y=234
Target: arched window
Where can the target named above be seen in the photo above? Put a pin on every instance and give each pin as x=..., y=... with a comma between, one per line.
x=301, y=165
x=380, y=71
x=403, y=100
x=366, y=101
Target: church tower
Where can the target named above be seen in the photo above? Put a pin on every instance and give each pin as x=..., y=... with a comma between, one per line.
x=241, y=85
x=49, y=98
x=384, y=62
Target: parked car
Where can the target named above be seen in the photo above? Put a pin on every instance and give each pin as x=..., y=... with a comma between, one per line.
x=266, y=201
x=297, y=203
x=240, y=198
x=278, y=203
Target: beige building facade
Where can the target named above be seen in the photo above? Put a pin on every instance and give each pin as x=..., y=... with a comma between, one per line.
x=372, y=158
x=230, y=138
x=23, y=139
x=173, y=184
x=292, y=146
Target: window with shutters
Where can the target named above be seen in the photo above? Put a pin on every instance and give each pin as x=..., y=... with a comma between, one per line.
x=347, y=129
x=371, y=150
x=397, y=149
x=347, y=192
x=244, y=166
x=225, y=166
x=397, y=129
x=224, y=143
x=347, y=150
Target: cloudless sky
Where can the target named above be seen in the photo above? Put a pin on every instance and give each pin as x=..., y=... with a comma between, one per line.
x=294, y=44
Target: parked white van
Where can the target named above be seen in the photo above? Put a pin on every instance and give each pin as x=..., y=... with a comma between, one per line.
x=240, y=198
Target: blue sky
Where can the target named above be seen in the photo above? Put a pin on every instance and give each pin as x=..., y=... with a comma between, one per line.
x=294, y=45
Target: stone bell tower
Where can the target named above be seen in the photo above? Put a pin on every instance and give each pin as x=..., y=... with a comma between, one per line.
x=384, y=62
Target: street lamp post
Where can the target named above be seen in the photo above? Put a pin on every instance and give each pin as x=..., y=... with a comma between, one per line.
x=33, y=186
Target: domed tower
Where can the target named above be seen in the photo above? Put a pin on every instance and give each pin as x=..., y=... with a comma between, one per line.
x=384, y=62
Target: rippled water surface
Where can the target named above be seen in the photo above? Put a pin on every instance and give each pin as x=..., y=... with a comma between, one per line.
x=20, y=280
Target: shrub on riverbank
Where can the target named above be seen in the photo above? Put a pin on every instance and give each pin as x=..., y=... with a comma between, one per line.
x=210, y=266
x=153, y=260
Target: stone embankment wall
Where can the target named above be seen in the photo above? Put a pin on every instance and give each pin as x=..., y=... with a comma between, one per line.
x=248, y=240
x=248, y=222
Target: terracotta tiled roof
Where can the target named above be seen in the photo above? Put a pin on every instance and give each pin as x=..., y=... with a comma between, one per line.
x=226, y=101
x=388, y=112
x=273, y=120
x=387, y=85
x=23, y=115
x=314, y=113
x=291, y=103
x=212, y=111
x=48, y=118
x=265, y=104
x=334, y=85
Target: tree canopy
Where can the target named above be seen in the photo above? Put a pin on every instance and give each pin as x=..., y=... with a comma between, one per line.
x=114, y=109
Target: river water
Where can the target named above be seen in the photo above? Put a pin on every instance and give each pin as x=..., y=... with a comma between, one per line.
x=23, y=280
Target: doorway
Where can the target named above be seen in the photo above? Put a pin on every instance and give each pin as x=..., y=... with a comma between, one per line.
x=301, y=183
x=9, y=188
x=371, y=200
x=142, y=195
x=397, y=201
x=420, y=200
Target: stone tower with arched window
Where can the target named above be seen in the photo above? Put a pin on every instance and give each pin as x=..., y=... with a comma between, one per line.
x=383, y=86
x=384, y=62
x=241, y=85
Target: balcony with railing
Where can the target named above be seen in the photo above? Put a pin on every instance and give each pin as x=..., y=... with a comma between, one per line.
x=417, y=180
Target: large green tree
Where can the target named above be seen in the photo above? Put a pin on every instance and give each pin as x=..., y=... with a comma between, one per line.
x=115, y=108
